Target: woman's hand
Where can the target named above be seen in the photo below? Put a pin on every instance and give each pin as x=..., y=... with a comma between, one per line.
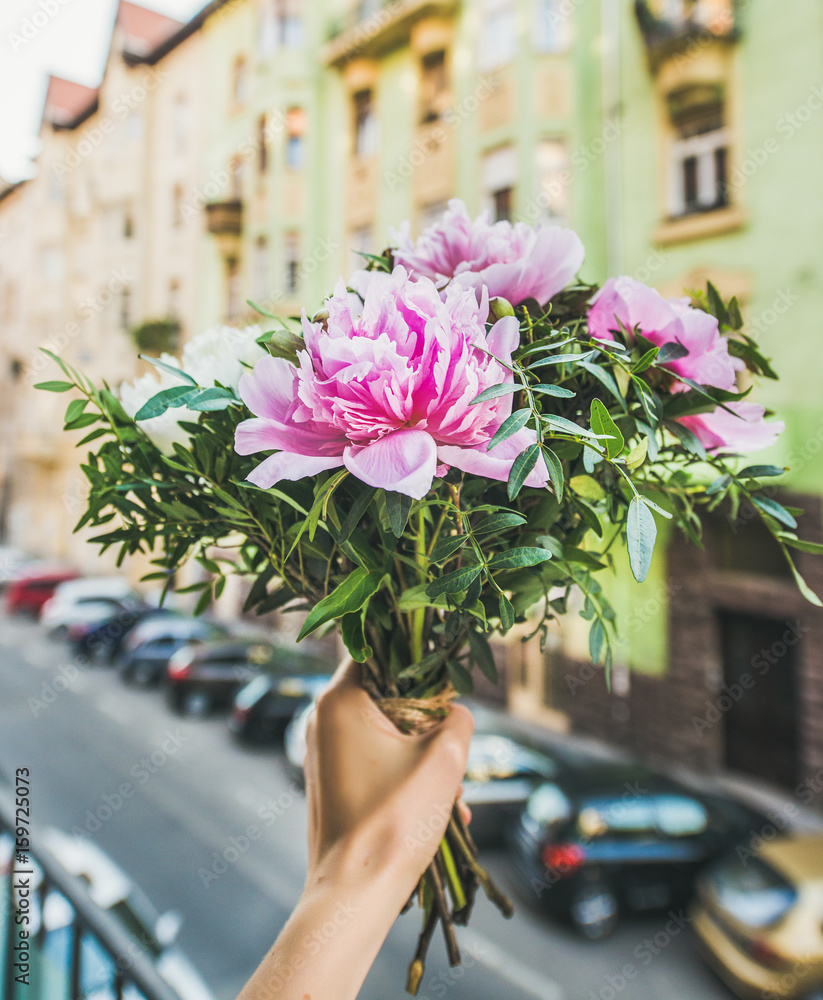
x=379, y=802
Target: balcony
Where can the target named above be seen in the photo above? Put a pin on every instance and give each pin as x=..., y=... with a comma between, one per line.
x=685, y=28
x=71, y=947
x=372, y=29
x=225, y=218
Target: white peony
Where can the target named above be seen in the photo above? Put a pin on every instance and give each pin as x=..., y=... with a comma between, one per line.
x=219, y=354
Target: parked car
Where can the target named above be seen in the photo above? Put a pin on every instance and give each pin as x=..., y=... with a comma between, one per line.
x=604, y=837
x=89, y=600
x=204, y=677
x=34, y=585
x=112, y=890
x=759, y=918
x=150, y=645
x=102, y=642
x=264, y=707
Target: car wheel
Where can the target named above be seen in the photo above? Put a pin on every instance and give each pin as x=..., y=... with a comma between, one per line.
x=593, y=910
x=142, y=673
x=195, y=704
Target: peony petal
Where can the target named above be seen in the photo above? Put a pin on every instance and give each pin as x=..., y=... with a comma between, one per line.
x=260, y=434
x=743, y=430
x=403, y=461
x=497, y=463
x=286, y=465
x=269, y=390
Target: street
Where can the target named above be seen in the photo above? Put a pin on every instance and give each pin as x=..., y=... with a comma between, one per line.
x=217, y=832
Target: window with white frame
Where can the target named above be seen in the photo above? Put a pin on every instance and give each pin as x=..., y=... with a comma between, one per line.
x=291, y=260
x=552, y=25
x=698, y=166
x=365, y=124
x=498, y=34
x=281, y=26
x=434, y=86
x=498, y=171
x=553, y=180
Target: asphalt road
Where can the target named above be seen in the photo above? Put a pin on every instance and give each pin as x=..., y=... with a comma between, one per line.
x=194, y=794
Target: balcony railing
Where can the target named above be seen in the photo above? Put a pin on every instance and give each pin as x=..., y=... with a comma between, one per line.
x=87, y=953
x=225, y=218
x=693, y=24
x=372, y=28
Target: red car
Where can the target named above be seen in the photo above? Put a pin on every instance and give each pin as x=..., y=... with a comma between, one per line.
x=30, y=590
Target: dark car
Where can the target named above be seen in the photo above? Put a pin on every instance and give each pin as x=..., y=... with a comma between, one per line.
x=102, y=642
x=604, y=837
x=204, y=677
x=150, y=645
x=264, y=707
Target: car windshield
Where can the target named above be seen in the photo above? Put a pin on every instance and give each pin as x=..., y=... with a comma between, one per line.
x=252, y=692
x=751, y=891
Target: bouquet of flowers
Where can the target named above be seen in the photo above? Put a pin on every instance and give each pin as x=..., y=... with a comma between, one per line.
x=450, y=445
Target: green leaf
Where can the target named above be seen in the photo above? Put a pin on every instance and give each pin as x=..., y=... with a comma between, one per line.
x=161, y=401
x=597, y=636
x=747, y=351
x=354, y=637
x=506, y=612
x=587, y=488
x=415, y=598
x=521, y=467
x=499, y=522
x=672, y=351
x=356, y=511
x=215, y=398
x=358, y=587
x=718, y=485
x=690, y=441
x=735, y=317
x=641, y=532
x=482, y=655
x=493, y=392
x=716, y=305
x=569, y=427
x=511, y=425
x=84, y=420
x=170, y=369
x=555, y=467
x=261, y=309
x=645, y=361
x=454, y=583
x=776, y=510
x=602, y=424
x=637, y=456
x=54, y=386
x=74, y=409
x=561, y=359
x=447, y=547
x=814, y=548
x=517, y=558
x=398, y=506
x=802, y=586
x=460, y=677
x=203, y=601
x=606, y=379
x=553, y=390
x=761, y=471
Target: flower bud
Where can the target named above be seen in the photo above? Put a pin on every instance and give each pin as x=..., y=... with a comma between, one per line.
x=500, y=307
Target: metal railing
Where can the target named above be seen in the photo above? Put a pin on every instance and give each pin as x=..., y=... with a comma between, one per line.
x=90, y=933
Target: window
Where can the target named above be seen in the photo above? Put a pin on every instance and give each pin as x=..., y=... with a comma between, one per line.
x=281, y=25
x=553, y=179
x=262, y=145
x=499, y=172
x=232, y=287
x=365, y=124
x=239, y=81
x=431, y=214
x=180, y=123
x=361, y=240
x=177, y=205
x=553, y=27
x=434, y=86
x=292, y=262
x=261, y=268
x=498, y=34
x=699, y=158
x=125, y=309
x=295, y=138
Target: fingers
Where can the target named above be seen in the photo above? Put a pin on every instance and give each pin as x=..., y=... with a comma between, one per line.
x=449, y=743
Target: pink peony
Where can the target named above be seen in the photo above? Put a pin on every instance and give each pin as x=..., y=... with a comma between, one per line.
x=517, y=262
x=386, y=391
x=665, y=321
x=722, y=431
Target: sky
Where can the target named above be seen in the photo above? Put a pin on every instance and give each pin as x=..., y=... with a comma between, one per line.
x=69, y=38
